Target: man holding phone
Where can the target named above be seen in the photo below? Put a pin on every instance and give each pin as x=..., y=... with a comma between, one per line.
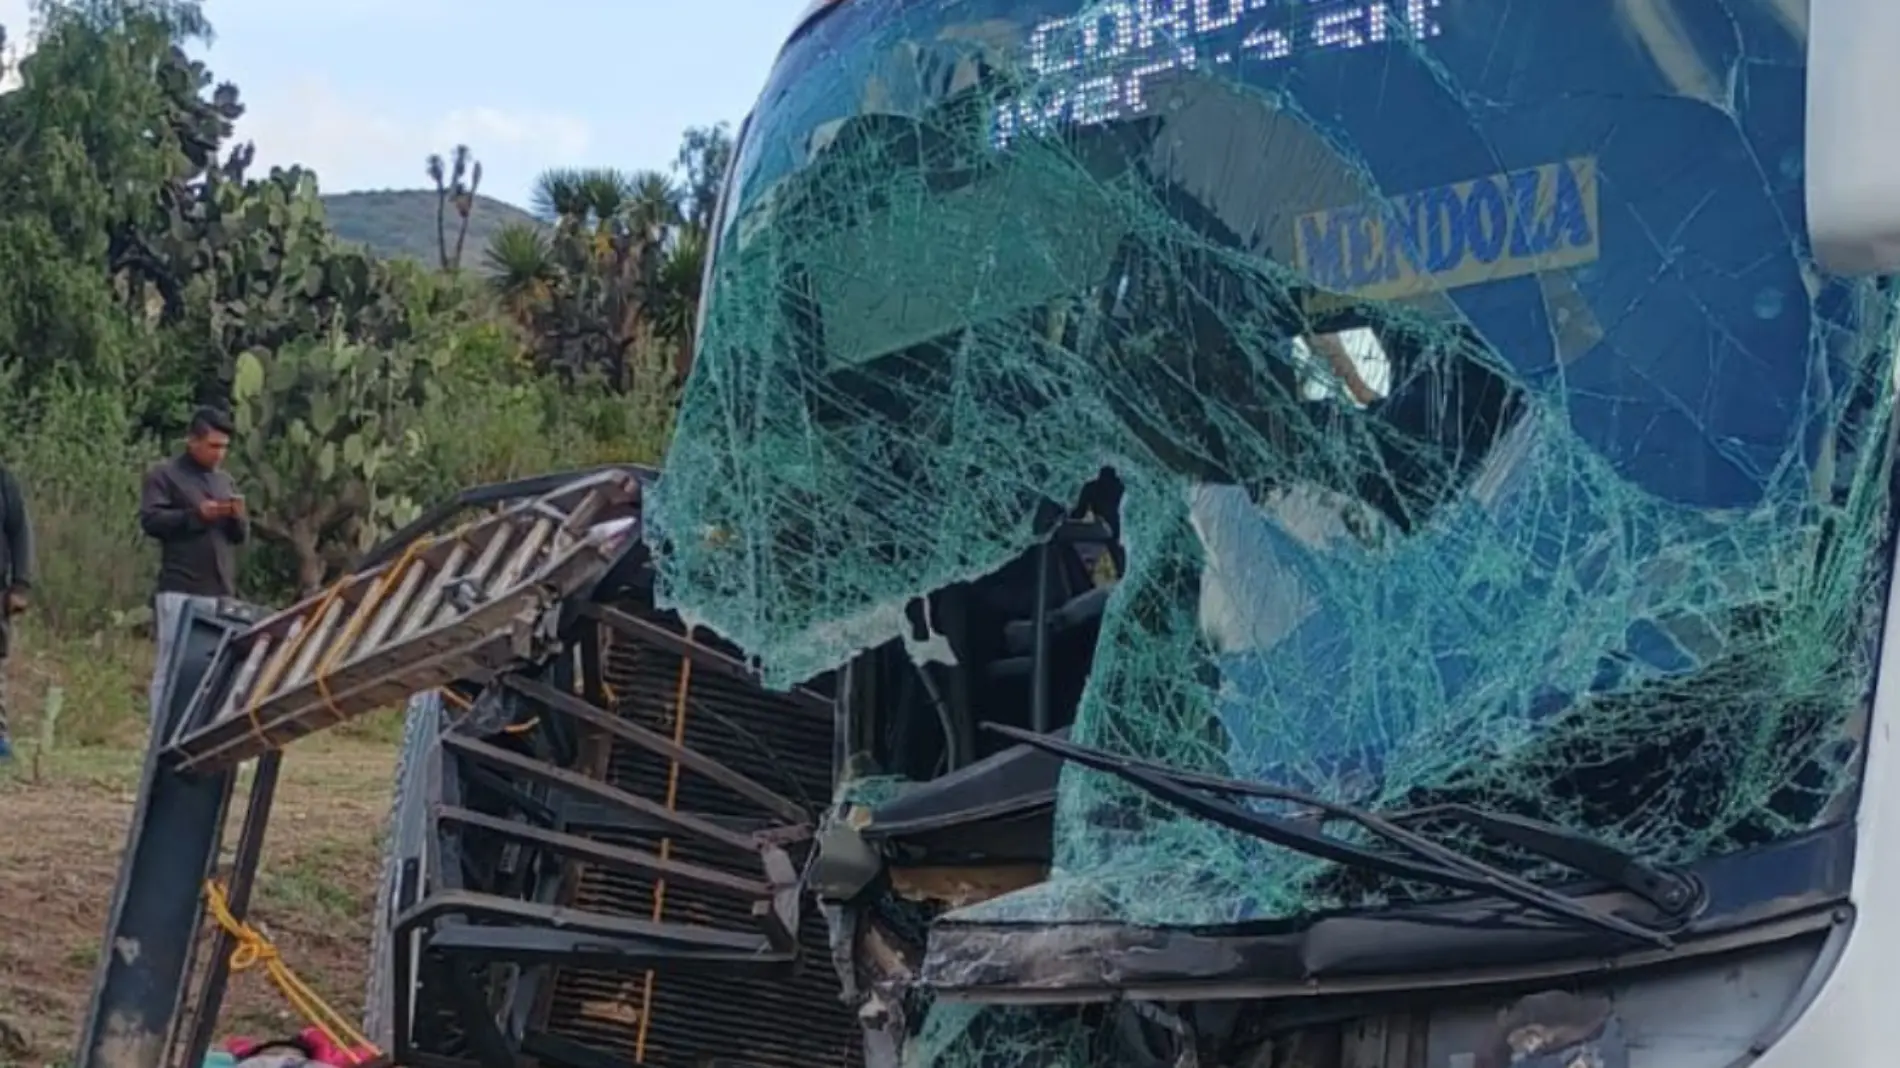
x=192, y=508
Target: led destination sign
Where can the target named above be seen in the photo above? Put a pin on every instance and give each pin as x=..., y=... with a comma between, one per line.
x=1094, y=67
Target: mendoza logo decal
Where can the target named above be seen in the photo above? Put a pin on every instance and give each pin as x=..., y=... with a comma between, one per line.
x=1500, y=226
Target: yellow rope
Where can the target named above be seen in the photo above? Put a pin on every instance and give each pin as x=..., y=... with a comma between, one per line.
x=289, y=657
x=465, y=704
x=254, y=950
x=359, y=618
x=380, y=588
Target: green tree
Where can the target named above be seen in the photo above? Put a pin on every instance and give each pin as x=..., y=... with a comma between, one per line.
x=704, y=157
x=589, y=296
x=677, y=293
x=456, y=183
x=148, y=268
x=108, y=116
x=521, y=268
x=652, y=212
x=250, y=264
x=562, y=195
x=323, y=425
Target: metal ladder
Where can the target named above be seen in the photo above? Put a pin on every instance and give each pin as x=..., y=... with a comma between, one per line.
x=459, y=606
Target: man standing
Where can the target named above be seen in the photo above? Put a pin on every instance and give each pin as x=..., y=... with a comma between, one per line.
x=190, y=505
x=16, y=578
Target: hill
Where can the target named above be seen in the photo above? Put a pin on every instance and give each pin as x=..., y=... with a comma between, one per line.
x=401, y=222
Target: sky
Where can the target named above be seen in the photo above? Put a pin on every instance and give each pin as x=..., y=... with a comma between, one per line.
x=363, y=90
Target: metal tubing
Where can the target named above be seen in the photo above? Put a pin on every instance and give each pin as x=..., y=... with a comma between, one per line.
x=250, y=850
x=390, y=613
x=524, y=557
x=277, y=666
x=703, y=656
x=158, y=903
x=424, y=610
x=476, y=577
x=313, y=649
x=242, y=685
x=500, y=493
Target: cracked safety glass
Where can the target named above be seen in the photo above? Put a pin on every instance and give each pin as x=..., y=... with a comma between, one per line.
x=1486, y=433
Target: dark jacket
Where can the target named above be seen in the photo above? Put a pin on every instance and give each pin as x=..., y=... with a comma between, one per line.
x=16, y=548
x=195, y=557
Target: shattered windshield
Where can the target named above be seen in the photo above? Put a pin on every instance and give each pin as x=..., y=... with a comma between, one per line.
x=1486, y=432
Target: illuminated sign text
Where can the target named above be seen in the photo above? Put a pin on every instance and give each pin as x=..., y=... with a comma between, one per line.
x=1094, y=67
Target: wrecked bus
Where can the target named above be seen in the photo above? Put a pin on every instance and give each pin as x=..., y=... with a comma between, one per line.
x=1344, y=535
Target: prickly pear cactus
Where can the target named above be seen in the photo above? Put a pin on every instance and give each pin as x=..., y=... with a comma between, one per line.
x=321, y=426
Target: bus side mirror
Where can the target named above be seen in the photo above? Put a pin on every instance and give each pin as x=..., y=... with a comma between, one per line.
x=1853, y=135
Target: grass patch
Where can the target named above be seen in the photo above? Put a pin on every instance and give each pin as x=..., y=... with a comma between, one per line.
x=382, y=727
x=318, y=880
x=105, y=681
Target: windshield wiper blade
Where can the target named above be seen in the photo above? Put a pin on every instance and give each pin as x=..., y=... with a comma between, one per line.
x=1429, y=862
x=1668, y=891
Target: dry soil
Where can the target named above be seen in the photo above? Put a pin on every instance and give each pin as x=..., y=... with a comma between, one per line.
x=60, y=841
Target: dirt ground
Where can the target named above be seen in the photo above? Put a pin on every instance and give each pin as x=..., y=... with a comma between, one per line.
x=59, y=851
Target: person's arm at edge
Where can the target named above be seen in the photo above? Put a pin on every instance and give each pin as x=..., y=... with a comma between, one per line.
x=19, y=532
x=159, y=513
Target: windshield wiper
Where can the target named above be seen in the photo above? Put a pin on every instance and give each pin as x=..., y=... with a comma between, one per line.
x=1670, y=892
x=1429, y=862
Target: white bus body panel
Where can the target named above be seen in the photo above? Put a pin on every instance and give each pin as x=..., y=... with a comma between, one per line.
x=1846, y=1025
x=1853, y=135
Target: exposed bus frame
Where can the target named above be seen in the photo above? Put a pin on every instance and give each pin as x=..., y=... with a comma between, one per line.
x=447, y=929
